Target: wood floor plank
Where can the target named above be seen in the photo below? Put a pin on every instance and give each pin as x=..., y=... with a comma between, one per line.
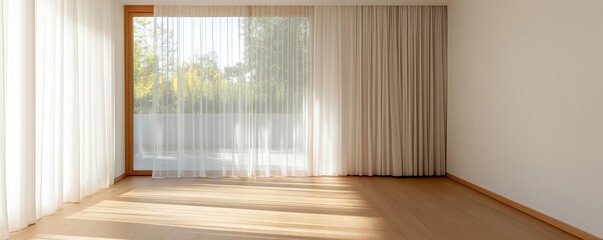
x=296, y=208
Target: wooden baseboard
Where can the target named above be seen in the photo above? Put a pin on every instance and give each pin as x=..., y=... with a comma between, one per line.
x=119, y=178
x=541, y=216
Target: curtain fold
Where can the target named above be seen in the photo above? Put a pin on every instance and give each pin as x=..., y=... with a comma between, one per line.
x=56, y=108
x=3, y=210
x=19, y=115
x=379, y=85
x=74, y=101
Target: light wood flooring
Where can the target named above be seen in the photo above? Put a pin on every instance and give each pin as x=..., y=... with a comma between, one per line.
x=289, y=208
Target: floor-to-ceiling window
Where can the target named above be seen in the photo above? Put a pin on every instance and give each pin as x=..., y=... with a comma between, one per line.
x=220, y=92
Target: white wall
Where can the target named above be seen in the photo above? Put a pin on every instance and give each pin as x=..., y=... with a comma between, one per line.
x=525, y=111
x=119, y=89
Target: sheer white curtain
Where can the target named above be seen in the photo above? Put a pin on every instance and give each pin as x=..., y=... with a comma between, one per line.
x=19, y=158
x=3, y=212
x=74, y=100
x=379, y=90
x=57, y=111
x=229, y=92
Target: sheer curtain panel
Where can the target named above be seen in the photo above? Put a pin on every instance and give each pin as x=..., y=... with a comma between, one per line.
x=229, y=92
x=74, y=101
x=56, y=108
x=3, y=210
x=19, y=113
x=378, y=100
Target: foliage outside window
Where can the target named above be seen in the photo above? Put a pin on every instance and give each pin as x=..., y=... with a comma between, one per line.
x=269, y=79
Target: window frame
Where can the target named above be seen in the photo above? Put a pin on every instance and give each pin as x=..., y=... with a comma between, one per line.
x=131, y=11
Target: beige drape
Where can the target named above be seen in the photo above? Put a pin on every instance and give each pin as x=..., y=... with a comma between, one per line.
x=378, y=105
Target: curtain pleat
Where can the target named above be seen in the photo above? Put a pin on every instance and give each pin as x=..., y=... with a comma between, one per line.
x=74, y=101
x=19, y=113
x=56, y=108
x=379, y=81
x=3, y=65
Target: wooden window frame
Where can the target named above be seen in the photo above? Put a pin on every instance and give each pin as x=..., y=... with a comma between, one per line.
x=131, y=11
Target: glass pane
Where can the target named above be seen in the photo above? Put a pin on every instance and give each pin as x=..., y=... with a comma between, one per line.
x=220, y=96
x=143, y=60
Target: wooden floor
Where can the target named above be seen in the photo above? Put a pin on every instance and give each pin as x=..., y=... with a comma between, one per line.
x=299, y=208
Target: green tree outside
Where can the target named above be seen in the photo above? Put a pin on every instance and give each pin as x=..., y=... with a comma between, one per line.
x=271, y=78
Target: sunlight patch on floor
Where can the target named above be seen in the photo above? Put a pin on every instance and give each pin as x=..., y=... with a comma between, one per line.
x=67, y=237
x=237, y=220
x=317, y=199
